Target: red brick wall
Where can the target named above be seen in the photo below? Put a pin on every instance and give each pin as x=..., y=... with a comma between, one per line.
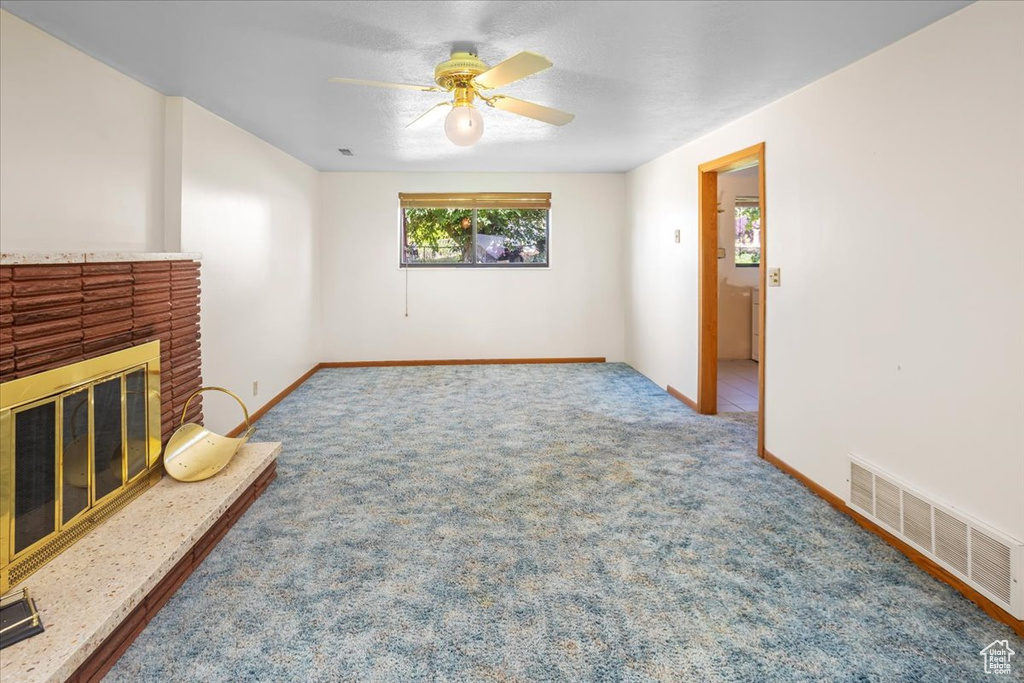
x=56, y=314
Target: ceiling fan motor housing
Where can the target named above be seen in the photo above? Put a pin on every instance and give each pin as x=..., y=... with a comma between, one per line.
x=458, y=70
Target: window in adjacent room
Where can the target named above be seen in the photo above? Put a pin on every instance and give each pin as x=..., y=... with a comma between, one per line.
x=748, y=232
x=504, y=230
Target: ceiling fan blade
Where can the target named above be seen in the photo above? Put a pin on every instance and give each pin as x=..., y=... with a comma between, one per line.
x=534, y=111
x=381, y=84
x=512, y=69
x=429, y=116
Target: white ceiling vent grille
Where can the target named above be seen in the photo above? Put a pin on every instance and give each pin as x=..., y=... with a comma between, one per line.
x=990, y=561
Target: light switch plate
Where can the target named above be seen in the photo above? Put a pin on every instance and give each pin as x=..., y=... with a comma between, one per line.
x=677, y=237
x=774, y=277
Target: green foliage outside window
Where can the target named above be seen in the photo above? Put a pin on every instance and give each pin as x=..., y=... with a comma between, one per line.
x=748, y=235
x=445, y=235
x=437, y=228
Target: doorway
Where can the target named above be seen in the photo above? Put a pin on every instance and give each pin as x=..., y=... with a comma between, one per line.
x=736, y=374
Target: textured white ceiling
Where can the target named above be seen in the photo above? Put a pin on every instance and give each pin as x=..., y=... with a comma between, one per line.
x=641, y=77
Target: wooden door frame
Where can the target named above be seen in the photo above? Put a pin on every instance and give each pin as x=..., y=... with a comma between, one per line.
x=707, y=366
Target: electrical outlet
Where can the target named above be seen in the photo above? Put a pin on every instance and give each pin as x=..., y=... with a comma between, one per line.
x=678, y=237
x=255, y=388
x=774, y=277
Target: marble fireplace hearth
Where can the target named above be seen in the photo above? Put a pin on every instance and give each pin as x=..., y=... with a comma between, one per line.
x=99, y=594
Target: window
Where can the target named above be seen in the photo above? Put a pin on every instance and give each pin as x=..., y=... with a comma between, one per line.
x=503, y=230
x=748, y=232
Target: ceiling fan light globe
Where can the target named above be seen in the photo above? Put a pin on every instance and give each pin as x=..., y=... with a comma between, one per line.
x=464, y=125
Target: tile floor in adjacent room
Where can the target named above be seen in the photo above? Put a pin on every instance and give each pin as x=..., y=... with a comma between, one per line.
x=737, y=386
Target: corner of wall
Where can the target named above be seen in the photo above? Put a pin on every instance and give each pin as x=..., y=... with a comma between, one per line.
x=316, y=267
x=626, y=249
x=173, y=152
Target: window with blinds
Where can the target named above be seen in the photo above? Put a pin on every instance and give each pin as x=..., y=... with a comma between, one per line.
x=748, y=232
x=475, y=229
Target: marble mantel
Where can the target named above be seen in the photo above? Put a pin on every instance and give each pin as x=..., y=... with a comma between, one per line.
x=22, y=258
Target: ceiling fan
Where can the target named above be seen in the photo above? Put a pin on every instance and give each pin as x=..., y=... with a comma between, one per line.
x=468, y=77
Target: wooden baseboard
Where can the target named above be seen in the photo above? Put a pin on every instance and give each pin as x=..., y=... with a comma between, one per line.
x=675, y=393
x=465, y=361
x=921, y=560
x=274, y=401
x=107, y=654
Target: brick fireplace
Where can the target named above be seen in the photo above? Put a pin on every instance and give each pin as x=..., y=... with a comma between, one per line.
x=60, y=309
x=57, y=310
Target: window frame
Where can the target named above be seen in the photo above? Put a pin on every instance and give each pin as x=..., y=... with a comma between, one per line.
x=743, y=202
x=473, y=208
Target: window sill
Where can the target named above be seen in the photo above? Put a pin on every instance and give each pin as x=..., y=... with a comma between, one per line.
x=474, y=266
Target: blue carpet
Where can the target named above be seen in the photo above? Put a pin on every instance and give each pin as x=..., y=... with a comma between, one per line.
x=544, y=523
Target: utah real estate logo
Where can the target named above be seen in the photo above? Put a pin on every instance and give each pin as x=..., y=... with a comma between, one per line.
x=997, y=657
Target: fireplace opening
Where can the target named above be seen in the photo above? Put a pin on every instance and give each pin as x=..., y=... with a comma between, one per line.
x=80, y=442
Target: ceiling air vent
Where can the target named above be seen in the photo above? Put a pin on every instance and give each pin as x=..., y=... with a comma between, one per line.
x=346, y=152
x=989, y=561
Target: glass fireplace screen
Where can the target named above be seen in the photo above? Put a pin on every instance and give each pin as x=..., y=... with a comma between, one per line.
x=79, y=443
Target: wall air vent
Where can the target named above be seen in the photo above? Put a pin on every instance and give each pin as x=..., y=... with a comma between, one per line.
x=951, y=541
x=917, y=520
x=862, y=488
x=990, y=561
x=990, y=564
x=887, y=502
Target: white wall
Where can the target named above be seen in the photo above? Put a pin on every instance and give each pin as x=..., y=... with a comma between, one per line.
x=252, y=211
x=735, y=284
x=898, y=331
x=574, y=308
x=88, y=156
x=81, y=159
